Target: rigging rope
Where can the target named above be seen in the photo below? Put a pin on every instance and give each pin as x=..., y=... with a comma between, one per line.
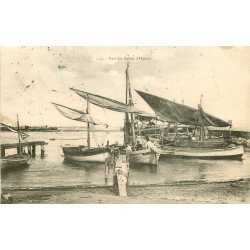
x=102, y=137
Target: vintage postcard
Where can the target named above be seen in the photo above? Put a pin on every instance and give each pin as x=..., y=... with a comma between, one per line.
x=125, y=125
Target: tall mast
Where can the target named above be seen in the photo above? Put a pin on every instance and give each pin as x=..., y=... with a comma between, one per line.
x=201, y=99
x=126, y=122
x=88, y=124
x=129, y=101
x=19, y=139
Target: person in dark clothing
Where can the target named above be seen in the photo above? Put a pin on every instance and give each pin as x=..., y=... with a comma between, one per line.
x=138, y=145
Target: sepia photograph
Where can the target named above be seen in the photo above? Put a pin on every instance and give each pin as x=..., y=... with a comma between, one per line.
x=125, y=125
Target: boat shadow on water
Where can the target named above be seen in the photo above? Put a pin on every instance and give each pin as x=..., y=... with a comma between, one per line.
x=144, y=168
x=185, y=163
x=200, y=159
x=87, y=166
x=9, y=169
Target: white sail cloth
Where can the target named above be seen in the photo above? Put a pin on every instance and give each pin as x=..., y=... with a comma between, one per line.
x=77, y=115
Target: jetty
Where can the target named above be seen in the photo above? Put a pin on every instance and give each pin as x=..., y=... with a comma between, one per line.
x=31, y=147
x=121, y=173
x=119, y=163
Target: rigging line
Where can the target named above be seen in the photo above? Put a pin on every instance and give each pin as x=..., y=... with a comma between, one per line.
x=104, y=133
x=96, y=141
x=103, y=136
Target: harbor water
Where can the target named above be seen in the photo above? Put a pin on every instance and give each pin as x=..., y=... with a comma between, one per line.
x=53, y=171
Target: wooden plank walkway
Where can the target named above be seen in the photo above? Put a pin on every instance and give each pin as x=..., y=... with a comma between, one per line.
x=31, y=146
x=122, y=171
x=23, y=144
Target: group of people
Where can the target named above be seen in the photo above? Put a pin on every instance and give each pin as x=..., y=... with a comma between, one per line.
x=139, y=145
x=115, y=151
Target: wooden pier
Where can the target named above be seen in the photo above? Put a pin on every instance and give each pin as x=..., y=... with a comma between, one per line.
x=121, y=173
x=119, y=163
x=31, y=147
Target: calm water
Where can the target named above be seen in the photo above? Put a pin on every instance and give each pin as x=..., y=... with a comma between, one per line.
x=53, y=171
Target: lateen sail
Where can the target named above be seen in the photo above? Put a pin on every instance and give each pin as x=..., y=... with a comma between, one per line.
x=108, y=103
x=76, y=115
x=179, y=113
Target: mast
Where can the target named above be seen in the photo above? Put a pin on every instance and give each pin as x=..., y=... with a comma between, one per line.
x=126, y=122
x=129, y=101
x=88, y=124
x=176, y=129
x=202, y=126
x=19, y=139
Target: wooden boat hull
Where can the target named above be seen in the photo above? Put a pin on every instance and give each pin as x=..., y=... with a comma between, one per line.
x=204, y=153
x=80, y=154
x=145, y=156
x=93, y=158
x=13, y=161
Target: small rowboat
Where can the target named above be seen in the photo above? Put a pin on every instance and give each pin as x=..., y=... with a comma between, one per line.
x=14, y=161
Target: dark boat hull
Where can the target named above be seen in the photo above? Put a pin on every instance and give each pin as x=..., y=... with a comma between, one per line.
x=82, y=154
x=14, y=161
x=144, y=157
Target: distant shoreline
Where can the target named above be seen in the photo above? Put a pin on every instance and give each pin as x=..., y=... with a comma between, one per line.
x=58, y=129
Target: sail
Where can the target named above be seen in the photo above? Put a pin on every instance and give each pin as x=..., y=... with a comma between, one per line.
x=173, y=112
x=108, y=103
x=76, y=115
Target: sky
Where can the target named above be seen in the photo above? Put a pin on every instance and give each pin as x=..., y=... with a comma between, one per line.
x=33, y=77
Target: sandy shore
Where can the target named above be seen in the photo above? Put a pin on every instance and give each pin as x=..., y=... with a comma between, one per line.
x=236, y=192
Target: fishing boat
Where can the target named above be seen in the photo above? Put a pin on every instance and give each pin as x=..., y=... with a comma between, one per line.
x=83, y=153
x=148, y=156
x=197, y=144
x=15, y=160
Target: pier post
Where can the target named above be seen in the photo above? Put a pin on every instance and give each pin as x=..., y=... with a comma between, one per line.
x=29, y=150
x=106, y=173
x=33, y=150
x=2, y=152
x=21, y=148
x=42, y=151
x=156, y=160
x=115, y=183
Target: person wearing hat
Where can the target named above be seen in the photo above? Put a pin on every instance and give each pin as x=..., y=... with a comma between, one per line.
x=149, y=144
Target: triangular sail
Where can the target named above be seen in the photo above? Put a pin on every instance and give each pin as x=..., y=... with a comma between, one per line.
x=76, y=115
x=108, y=103
x=173, y=112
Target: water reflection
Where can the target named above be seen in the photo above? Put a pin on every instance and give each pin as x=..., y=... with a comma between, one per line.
x=53, y=170
x=87, y=166
x=144, y=168
x=202, y=172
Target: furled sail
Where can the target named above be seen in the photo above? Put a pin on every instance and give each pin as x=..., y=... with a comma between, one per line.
x=108, y=103
x=76, y=115
x=179, y=113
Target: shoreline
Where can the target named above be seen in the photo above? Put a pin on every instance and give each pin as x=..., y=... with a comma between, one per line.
x=229, y=192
